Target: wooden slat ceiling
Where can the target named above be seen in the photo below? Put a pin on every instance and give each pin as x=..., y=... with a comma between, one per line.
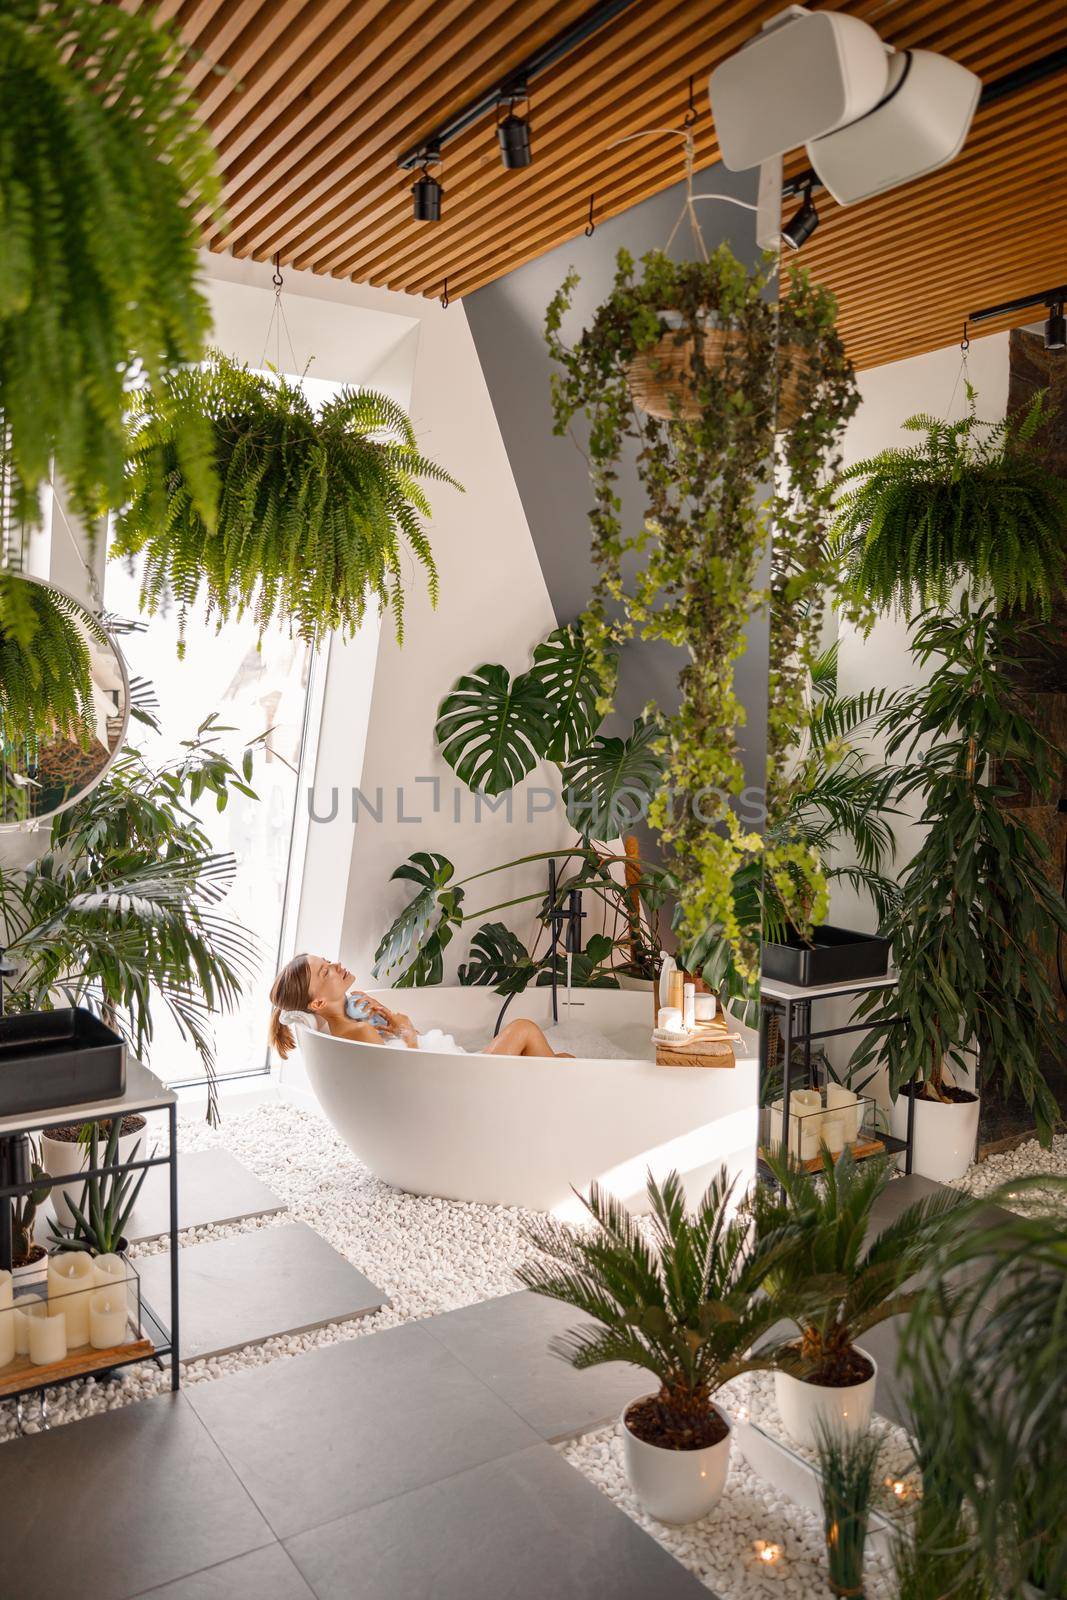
x=311, y=102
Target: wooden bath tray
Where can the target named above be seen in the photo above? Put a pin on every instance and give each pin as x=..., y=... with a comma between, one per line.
x=20, y=1374
x=710, y=1046
x=862, y=1148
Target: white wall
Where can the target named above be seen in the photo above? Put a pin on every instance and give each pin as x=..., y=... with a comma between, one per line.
x=380, y=701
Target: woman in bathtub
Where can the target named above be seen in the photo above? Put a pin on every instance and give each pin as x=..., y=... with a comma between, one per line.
x=312, y=986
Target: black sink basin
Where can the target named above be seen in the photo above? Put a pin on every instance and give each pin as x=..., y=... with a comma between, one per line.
x=58, y=1058
x=835, y=955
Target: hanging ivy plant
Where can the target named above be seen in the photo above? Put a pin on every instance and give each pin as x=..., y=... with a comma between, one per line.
x=104, y=165
x=974, y=500
x=315, y=511
x=707, y=471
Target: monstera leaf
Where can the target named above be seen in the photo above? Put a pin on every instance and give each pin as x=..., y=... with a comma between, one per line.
x=426, y=924
x=609, y=785
x=498, y=959
x=562, y=665
x=587, y=969
x=493, y=731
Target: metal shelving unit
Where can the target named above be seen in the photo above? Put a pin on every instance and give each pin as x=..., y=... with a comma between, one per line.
x=144, y=1094
x=794, y=1004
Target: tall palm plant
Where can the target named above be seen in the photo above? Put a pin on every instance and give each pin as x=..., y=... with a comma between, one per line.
x=984, y=1357
x=680, y=1300
x=127, y=904
x=835, y=1279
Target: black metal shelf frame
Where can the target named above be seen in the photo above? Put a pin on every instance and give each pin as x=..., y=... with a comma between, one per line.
x=796, y=1012
x=164, y=1335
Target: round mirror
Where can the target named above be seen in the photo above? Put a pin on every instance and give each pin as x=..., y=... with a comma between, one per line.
x=64, y=701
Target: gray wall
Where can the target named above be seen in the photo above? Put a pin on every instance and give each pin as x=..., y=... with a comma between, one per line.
x=507, y=319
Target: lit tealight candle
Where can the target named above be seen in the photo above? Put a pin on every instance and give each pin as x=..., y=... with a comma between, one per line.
x=900, y=1488
x=767, y=1552
x=48, y=1334
x=70, y=1284
x=7, y=1316
x=107, y=1318
x=22, y=1309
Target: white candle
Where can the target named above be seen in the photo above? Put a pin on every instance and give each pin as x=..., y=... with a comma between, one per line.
x=70, y=1283
x=48, y=1335
x=7, y=1317
x=107, y=1318
x=112, y=1272
x=804, y=1123
x=23, y=1311
x=833, y=1134
x=846, y=1103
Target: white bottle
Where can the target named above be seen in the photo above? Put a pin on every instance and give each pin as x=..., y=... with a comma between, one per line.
x=689, y=1007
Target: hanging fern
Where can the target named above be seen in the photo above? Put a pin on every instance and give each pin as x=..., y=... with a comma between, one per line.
x=315, y=513
x=974, y=501
x=103, y=166
x=46, y=687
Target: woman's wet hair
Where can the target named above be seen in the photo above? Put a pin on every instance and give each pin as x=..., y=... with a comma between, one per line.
x=291, y=992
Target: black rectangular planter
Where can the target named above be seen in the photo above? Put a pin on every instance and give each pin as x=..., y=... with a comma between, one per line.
x=835, y=955
x=58, y=1058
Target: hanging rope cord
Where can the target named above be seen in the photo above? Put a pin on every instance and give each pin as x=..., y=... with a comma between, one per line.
x=688, y=211
x=277, y=323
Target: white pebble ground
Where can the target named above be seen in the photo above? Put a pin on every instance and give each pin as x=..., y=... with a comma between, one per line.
x=433, y=1255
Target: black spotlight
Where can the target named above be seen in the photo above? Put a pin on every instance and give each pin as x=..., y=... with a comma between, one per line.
x=1056, y=327
x=426, y=193
x=514, y=138
x=801, y=227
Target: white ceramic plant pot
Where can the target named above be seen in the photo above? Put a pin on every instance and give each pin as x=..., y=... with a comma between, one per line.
x=675, y=1486
x=945, y=1136
x=60, y=1157
x=806, y=1408
x=31, y=1272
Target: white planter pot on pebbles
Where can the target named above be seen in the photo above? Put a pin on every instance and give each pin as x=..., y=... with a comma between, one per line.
x=944, y=1136
x=676, y=1486
x=61, y=1156
x=805, y=1408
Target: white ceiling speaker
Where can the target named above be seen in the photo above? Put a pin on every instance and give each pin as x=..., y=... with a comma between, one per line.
x=805, y=74
x=918, y=125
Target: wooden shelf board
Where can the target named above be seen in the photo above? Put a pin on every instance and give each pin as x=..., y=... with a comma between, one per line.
x=20, y=1374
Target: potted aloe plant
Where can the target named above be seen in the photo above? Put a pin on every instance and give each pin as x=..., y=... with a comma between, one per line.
x=65, y=1153
x=101, y=1217
x=682, y=1301
x=836, y=1281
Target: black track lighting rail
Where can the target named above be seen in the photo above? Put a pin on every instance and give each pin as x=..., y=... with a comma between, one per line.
x=997, y=89
x=1047, y=297
x=517, y=83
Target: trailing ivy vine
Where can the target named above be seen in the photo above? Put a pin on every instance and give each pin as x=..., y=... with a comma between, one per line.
x=711, y=501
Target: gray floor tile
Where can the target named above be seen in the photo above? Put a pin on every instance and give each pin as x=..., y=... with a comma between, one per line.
x=267, y=1574
x=254, y=1285
x=213, y=1186
x=121, y=1502
x=505, y=1343
x=527, y=1527
x=350, y=1424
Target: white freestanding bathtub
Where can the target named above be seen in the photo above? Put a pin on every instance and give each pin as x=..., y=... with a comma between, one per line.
x=524, y=1131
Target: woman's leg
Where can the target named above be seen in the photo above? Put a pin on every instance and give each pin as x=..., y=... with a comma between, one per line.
x=521, y=1037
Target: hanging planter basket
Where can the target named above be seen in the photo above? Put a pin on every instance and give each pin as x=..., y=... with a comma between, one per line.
x=661, y=378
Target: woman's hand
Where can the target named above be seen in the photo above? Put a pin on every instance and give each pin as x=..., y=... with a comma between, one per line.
x=401, y=1025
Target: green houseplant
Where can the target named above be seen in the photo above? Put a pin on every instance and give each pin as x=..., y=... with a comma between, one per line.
x=126, y=904
x=707, y=476
x=492, y=729
x=978, y=912
x=984, y=1363
x=315, y=511
x=45, y=679
x=680, y=1301
x=27, y=1257
x=104, y=165
x=844, y=1281
x=106, y=1205
x=847, y=1467
x=973, y=502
